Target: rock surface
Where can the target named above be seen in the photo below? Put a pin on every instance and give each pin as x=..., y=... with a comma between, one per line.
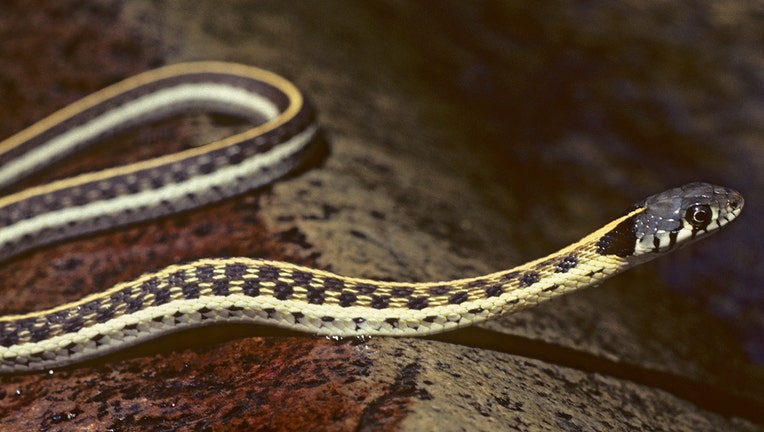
x=463, y=140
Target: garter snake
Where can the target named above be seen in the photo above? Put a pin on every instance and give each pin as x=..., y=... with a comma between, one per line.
x=256, y=290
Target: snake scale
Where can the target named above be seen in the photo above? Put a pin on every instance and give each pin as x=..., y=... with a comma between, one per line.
x=261, y=291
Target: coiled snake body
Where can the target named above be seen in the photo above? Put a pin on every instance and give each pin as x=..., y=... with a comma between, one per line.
x=255, y=290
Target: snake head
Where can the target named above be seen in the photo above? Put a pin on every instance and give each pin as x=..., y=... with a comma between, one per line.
x=672, y=219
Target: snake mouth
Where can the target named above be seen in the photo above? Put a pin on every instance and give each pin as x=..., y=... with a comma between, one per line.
x=736, y=203
x=732, y=208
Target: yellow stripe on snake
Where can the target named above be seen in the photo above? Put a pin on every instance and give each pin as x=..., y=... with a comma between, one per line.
x=260, y=291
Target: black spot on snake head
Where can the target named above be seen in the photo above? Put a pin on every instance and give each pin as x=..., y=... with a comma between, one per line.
x=620, y=240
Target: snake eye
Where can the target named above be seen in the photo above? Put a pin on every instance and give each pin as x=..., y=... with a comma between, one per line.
x=699, y=216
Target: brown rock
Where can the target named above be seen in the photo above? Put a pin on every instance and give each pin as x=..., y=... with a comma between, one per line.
x=464, y=139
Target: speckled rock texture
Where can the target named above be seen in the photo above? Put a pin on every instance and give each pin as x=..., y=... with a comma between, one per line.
x=464, y=137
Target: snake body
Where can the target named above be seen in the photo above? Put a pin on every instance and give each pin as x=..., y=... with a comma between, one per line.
x=261, y=291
